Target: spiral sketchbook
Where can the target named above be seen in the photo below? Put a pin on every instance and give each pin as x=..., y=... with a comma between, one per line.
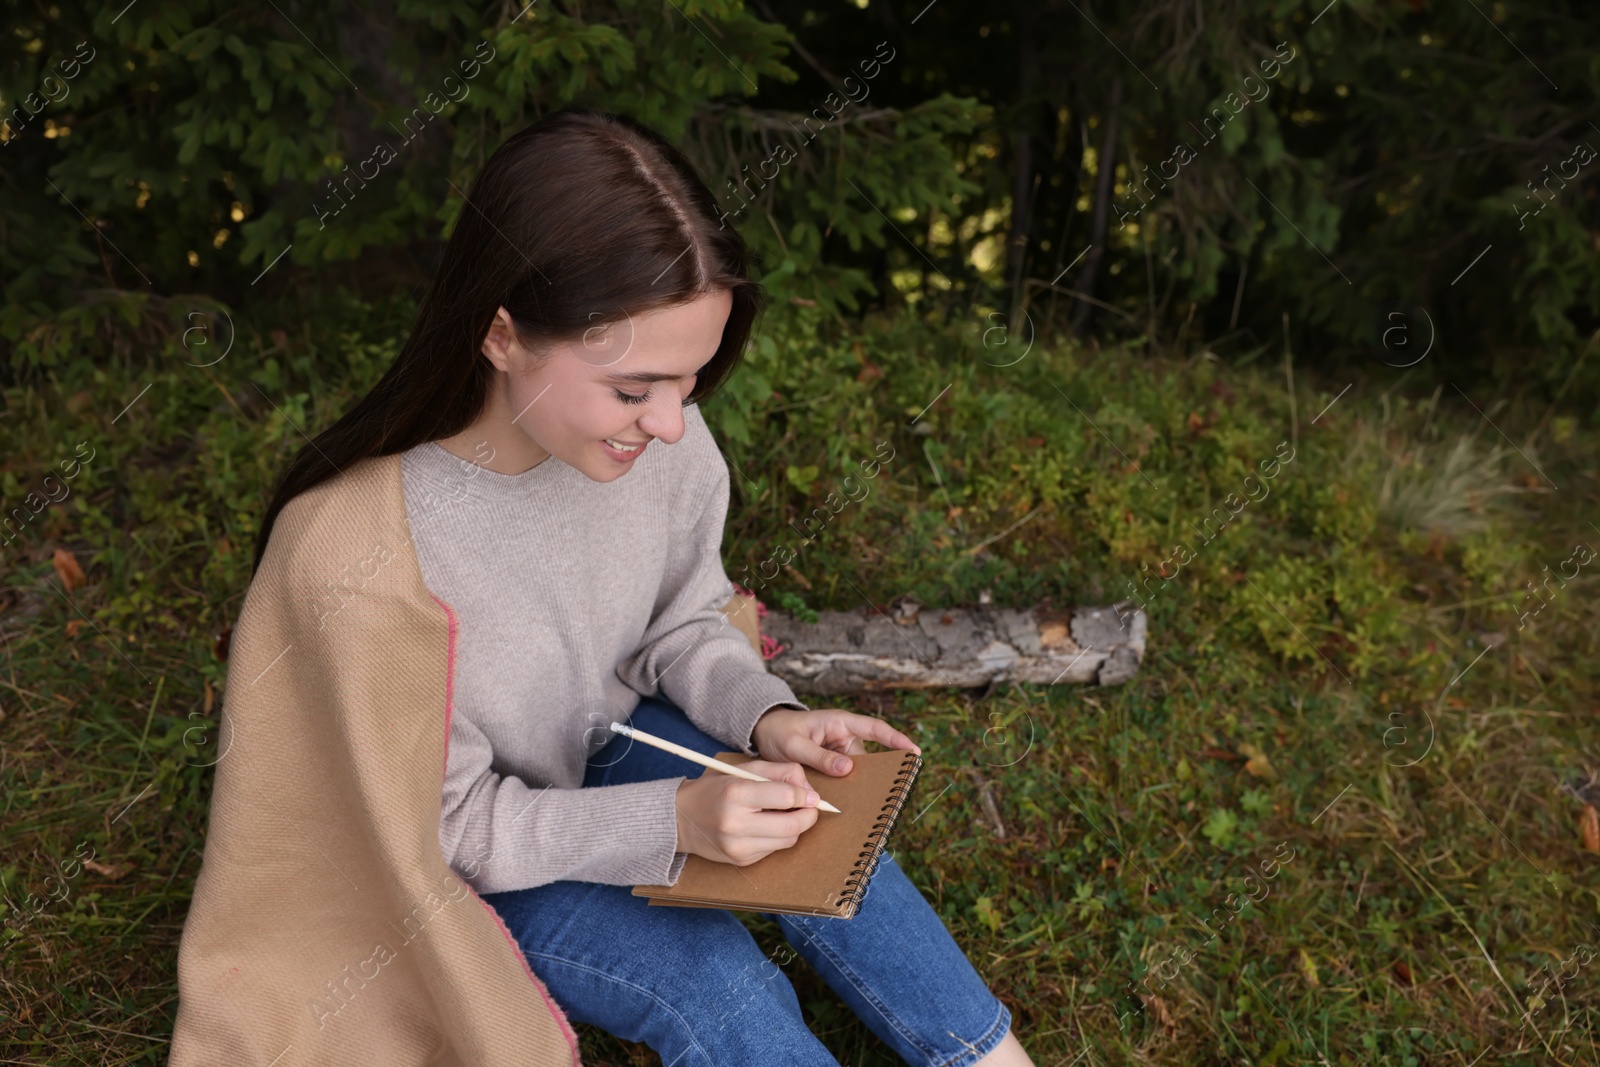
x=826, y=872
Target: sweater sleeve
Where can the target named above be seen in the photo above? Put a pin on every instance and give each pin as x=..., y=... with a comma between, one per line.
x=498, y=833
x=690, y=653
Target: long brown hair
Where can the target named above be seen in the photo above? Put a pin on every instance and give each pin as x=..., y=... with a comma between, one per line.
x=579, y=219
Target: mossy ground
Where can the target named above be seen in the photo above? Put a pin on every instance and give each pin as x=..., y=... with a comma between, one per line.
x=1347, y=684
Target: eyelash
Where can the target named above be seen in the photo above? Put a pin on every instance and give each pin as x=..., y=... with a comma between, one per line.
x=629, y=398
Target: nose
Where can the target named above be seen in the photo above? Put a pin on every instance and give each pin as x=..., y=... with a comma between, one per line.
x=664, y=415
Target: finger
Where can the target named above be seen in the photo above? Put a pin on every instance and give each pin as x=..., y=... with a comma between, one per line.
x=823, y=759
x=861, y=728
x=785, y=823
x=872, y=729
x=776, y=796
x=790, y=772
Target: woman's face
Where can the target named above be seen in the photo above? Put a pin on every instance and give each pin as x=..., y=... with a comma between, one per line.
x=623, y=383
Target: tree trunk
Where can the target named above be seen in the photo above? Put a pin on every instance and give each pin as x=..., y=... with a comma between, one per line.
x=1106, y=165
x=862, y=650
x=1022, y=176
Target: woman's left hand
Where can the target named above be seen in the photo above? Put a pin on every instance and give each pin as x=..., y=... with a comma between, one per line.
x=817, y=738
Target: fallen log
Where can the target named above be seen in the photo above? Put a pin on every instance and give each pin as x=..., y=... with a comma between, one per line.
x=910, y=646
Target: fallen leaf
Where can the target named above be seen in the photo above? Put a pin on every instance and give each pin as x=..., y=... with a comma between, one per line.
x=1402, y=971
x=1308, y=967
x=1589, y=828
x=1196, y=423
x=108, y=870
x=67, y=569
x=1256, y=762
x=1052, y=634
x=73, y=627
x=1212, y=752
x=1158, y=1010
x=989, y=914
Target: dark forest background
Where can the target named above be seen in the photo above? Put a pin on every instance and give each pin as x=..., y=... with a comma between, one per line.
x=1352, y=178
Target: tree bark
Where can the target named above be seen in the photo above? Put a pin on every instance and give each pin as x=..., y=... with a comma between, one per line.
x=1022, y=174
x=864, y=650
x=1106, y=166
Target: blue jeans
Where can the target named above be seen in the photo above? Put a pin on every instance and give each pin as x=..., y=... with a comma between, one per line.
x=691, y=982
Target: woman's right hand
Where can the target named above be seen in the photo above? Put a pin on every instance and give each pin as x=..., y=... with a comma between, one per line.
x=733, y=820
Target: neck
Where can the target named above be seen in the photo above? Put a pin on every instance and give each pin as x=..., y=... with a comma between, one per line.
x=493, y=441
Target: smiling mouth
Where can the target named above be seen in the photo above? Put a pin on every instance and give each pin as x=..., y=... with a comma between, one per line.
x=625, y=448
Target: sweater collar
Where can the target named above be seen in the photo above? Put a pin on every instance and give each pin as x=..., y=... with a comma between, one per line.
x=454, y=478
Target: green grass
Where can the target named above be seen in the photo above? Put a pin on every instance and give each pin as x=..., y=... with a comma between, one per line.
x=1317, y=685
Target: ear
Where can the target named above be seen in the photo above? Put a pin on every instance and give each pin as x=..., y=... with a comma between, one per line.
x=497, y=342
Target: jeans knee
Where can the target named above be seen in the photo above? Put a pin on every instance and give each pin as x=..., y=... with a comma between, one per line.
x=752, y=1023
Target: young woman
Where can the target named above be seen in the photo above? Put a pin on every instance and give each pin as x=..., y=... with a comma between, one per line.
x=566, y=501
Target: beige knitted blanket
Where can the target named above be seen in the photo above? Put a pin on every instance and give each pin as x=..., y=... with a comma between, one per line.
x=326, y=927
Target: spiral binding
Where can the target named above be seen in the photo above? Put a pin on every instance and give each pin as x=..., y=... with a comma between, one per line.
x=878, y=839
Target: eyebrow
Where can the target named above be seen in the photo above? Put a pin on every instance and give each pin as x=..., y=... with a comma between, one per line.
x=651, y=376
x=645, y=376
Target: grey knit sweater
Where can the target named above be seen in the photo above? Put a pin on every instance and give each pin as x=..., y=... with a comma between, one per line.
x=572, y=599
